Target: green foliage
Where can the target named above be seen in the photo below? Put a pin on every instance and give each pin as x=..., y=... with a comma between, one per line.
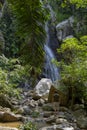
x=28, y=126
x=79, y=3
x=60, y=16
x=84, y=39
x=0, y=5
x=74, y=67
x=61, y=12
x=71, y=49
x=8, y=28
x=30, y=18
x=11, y=75
x=35, y=114
x=79, y=10
x=66, y=8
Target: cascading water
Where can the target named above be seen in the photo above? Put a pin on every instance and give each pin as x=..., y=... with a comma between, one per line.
x=51, y=71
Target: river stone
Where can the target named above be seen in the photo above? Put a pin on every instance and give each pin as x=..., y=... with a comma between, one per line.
x=26, y=110
x=78, y=107
x=60, y=121
x=7, y=128
x=51, y=119
x=42, y=88
x=47, y=114
x=57, y=127
x=65, y=28
x=41, y=102
x=48, y=107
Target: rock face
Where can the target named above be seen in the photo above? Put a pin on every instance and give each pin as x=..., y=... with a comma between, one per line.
x=65, y=28
x=42, y=88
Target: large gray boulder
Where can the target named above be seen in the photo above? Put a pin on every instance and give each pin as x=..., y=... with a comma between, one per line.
x=65, y=28
x=42, y=88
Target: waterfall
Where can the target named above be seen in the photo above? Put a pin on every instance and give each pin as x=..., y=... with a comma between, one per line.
x=51, y=70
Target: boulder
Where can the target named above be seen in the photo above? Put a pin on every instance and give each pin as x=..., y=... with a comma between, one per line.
x=60, y=121
x=42, y=89
x=9, y=117
x=65, y=28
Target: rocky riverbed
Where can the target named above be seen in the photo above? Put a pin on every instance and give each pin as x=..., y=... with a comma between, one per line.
x=37, y=109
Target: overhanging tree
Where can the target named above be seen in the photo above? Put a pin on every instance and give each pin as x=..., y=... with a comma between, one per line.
x=30, y=18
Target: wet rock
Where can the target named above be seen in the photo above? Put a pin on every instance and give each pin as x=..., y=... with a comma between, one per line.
x=42, y=89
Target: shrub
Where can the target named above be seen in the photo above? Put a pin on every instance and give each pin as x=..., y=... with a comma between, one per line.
x=28, y=126
x=12, y=73
x=74, y=67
